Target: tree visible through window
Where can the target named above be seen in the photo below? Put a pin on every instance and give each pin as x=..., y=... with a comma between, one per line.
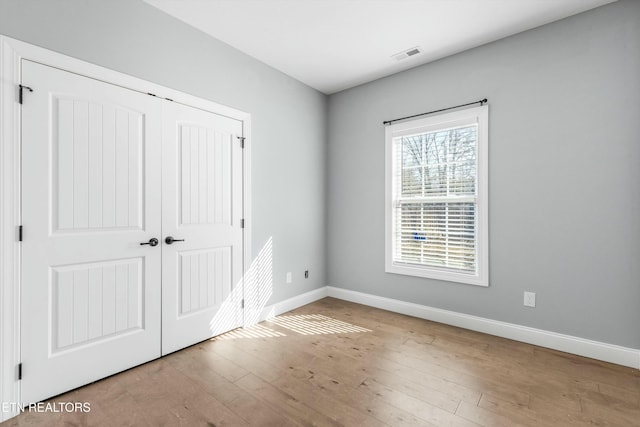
x=435, y=197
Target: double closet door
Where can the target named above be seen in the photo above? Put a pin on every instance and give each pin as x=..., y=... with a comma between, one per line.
x=132, y=244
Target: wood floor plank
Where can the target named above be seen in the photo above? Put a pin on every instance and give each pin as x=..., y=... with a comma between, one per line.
x=360, y=400
x=263, y=369
x=331, y=406
x=465, y=375
x=259, y=414
x=620, y=393
x=555, y=415
x=290, y=405
x=521, y=414
x=415, y=391
x=212, y=412
x=620, y=411
x=417, y=407
x=406, y=379
x=211, y=382
x=484, y=417
x=583, y=368
x=218, y=364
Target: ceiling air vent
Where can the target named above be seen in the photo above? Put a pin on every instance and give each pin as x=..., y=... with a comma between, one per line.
x=406, y=53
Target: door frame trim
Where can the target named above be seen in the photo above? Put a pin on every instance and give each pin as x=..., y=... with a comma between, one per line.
x=9, y=220
x=12, y=52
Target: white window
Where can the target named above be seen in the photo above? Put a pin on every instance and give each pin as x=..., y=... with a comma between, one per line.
x=436, y=197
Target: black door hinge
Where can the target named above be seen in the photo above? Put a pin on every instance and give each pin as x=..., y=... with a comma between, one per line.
x=22, y=88
x=241, y=138
x=242, y=223
x=19, y=233
x=19, y=371
x=242, y=303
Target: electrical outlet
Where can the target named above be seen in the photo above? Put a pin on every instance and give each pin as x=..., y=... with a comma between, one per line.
x=306, y=274
x=289, y=277
x=529, y=299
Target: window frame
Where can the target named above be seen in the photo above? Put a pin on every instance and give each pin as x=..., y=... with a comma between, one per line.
x=476, y=115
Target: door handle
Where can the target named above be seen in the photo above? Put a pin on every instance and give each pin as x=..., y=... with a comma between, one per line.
x=169, y=240
x=152, y=242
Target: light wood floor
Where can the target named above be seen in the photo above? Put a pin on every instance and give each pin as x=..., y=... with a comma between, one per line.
x=336, y=363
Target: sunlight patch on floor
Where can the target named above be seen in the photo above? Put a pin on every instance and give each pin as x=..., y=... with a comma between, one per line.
x=304, y=324
x=255, y=331
x=315, y=324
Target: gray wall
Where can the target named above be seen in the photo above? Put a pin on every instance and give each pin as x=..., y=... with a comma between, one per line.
x=564, y=204
x=288, y=118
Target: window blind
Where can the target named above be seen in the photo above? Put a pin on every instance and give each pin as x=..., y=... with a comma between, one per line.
x=435, y=198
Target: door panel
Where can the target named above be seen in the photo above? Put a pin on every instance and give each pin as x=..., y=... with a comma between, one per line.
x=91, y=194
x=202, y=205
x=97, y=165
x=205, y=279
x=94, y=301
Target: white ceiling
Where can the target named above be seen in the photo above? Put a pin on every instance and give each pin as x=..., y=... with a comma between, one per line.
x=333, y=45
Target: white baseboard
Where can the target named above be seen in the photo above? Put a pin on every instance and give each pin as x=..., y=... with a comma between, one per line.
x=292, y=303
x=566, y=343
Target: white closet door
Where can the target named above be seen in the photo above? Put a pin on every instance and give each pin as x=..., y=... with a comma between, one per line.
x=91, y=194
x=202, y=209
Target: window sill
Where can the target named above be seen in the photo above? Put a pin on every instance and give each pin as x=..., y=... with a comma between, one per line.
x=434, y=273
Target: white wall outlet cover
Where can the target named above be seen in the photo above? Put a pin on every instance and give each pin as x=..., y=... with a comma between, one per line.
x=530, y=299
